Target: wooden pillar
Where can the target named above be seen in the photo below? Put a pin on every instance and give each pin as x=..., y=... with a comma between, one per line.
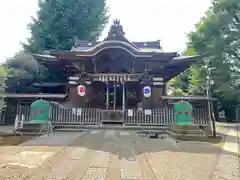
x=165, y=88
x=157, y=92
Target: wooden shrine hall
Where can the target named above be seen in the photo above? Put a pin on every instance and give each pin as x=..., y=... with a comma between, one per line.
x=115, y=71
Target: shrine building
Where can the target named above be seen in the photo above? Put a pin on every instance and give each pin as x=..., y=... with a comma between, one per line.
x=114, y=72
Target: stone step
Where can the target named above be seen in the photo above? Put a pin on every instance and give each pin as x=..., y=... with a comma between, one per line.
x=184, y=127
x=32, y=130
x=139, y=131
x=69, y=126
x=35, y=125
x=35, y=128
x=188, y=131
x=32, y=133
x=186, y=136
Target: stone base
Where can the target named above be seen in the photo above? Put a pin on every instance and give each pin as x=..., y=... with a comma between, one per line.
x=35, y=128
x=187, y=132
x=185, y=129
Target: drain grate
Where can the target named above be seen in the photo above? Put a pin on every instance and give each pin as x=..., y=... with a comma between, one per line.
x=152, y=134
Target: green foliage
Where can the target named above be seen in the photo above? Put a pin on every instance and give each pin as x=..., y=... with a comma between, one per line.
x=22, y=71
x=24, y=61
x=3, y=78
x=217, y=38
x=58, y=21
x=197, y=80
x=178, y=86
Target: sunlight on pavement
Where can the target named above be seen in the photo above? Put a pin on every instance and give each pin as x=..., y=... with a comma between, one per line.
x=231, y=147
x=28, y=159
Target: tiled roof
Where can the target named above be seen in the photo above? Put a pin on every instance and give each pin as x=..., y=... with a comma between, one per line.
x=47, y=84
x=187, y=98
x=14, y=95
x=148, y=46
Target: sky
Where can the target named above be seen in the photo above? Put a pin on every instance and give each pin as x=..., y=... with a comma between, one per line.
x=143, y=20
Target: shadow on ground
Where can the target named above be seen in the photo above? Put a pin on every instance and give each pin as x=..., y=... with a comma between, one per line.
x=125, y=144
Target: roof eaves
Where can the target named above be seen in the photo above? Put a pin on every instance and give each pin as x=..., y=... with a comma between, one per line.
x=182, y=59
x=44, y=57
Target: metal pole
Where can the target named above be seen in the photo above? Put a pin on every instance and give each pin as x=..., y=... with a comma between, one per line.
x=237, y=113
x=123, y=95
x=114, y=96
x=238, y=142
x=107, y=96
x=210, y=103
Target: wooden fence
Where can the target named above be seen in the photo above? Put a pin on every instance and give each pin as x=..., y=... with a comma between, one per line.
x=60, y=115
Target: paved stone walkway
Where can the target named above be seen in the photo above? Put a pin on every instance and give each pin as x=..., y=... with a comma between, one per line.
x=6, y=129
x=228, y=164
x=107, y=155
x=55, y=139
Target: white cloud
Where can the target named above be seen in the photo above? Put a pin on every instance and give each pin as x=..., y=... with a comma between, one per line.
x=142, y=20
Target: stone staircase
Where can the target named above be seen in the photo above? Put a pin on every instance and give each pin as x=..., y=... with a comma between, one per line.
x=78, y=127
x=187, y=132
x=179, y=132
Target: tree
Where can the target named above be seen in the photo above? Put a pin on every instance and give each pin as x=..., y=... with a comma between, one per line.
x=217, y=38
x=56, y=24
x=212, y=39
x=22, y=70
x=24, y=61
x=58, y=21
x=178, y=86
x=3, y=77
